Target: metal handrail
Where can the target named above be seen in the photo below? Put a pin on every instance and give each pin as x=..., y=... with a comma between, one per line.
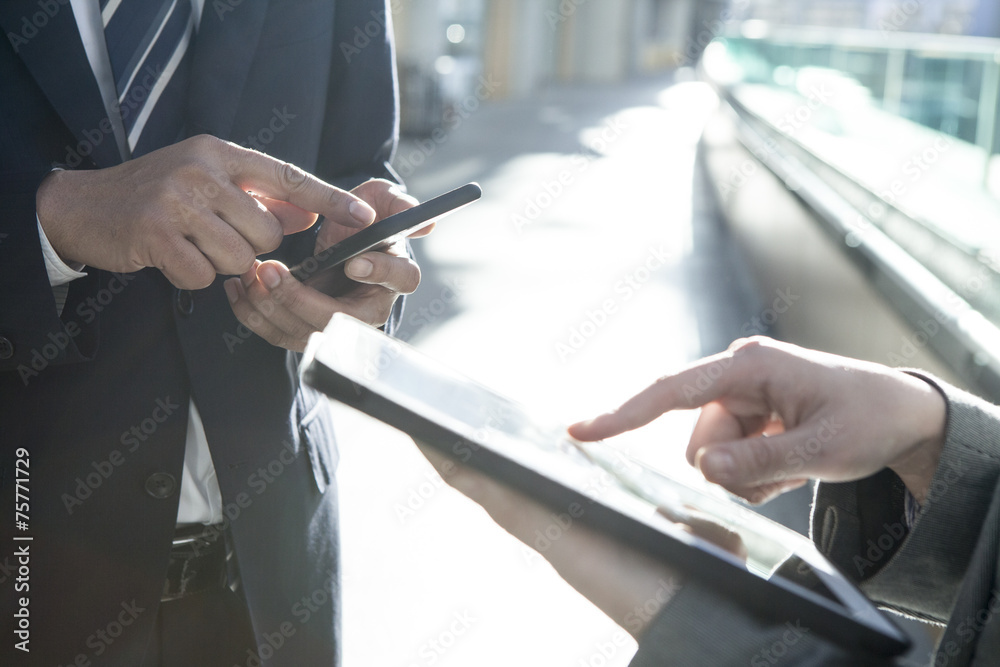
x=897, y=47
x=881, y=40
x=971, y=345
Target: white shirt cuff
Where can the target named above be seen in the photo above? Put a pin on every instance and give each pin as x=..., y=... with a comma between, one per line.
x=59, y=271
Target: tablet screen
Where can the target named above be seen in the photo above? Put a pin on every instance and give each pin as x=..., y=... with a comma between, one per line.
x=363, y=367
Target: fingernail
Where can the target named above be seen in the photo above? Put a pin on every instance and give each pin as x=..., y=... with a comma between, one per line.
x=231, y=291
x=362, y=212
x=717, y=465
x=361, y=268
x=270, y=276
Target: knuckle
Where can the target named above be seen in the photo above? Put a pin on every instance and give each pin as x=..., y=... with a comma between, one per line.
x=203, y=141
x=279, y=339
x=750, y=352
x=262, y=300
x=194, y=271
x=384, y=313
x=290, y=177
x=201, y=146
x=749, y=345
x=242, y=312
x=760, y=453
x=270, y=237
x=414, y=277
x=203, y=277
x=289, y=296
x=192, y=174
x=382, y=273
x=242, y=258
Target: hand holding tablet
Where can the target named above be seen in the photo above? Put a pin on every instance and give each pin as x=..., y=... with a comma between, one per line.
x=606, y=493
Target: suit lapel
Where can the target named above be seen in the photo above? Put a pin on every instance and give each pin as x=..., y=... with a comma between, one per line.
x=223, y=53
x=51, y=48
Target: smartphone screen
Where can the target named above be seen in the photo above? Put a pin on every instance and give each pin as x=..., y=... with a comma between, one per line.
x=325, y=270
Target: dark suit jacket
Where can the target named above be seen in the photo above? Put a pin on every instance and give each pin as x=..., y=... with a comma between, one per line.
x=95, y=402
x=945, y=570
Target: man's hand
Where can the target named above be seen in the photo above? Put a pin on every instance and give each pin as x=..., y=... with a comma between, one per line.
x=269, y=301
x=774, y=415
x=185, y=209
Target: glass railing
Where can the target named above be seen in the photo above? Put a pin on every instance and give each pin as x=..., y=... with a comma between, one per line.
x=903, y=126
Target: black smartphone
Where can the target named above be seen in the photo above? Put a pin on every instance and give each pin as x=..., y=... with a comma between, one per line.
x=324, y=271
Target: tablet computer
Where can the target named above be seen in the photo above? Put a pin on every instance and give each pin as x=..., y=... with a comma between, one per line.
x=362, y=367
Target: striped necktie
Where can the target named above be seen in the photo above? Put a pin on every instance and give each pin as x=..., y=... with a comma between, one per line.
x=148, y=43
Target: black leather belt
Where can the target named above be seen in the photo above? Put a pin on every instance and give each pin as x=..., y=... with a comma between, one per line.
x=198, y=562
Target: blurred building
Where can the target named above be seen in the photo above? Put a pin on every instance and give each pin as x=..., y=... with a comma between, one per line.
x=957, y=17
x=445, y=46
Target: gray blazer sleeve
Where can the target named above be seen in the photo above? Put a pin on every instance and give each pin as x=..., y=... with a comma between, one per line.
x=944, y=569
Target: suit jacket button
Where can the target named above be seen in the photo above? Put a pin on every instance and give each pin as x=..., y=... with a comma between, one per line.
x=6, y=348
x=185, y=302
x=161, y=485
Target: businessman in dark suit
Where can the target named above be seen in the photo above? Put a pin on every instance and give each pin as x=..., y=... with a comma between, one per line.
x=173, y=482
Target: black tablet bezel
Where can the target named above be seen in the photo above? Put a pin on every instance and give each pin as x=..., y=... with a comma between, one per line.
x=776, y=600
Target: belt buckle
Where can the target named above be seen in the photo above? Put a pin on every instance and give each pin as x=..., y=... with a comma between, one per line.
x=197, y=562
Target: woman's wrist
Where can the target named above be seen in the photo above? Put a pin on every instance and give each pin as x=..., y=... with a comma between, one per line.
x=928, y=412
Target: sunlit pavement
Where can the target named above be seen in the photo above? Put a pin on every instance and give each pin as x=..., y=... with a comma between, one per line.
x=577, y=280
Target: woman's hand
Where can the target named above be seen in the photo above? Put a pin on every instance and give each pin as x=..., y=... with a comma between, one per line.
x=774, y=415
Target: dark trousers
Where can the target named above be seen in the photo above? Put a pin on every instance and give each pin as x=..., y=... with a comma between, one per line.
x=206, y=629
